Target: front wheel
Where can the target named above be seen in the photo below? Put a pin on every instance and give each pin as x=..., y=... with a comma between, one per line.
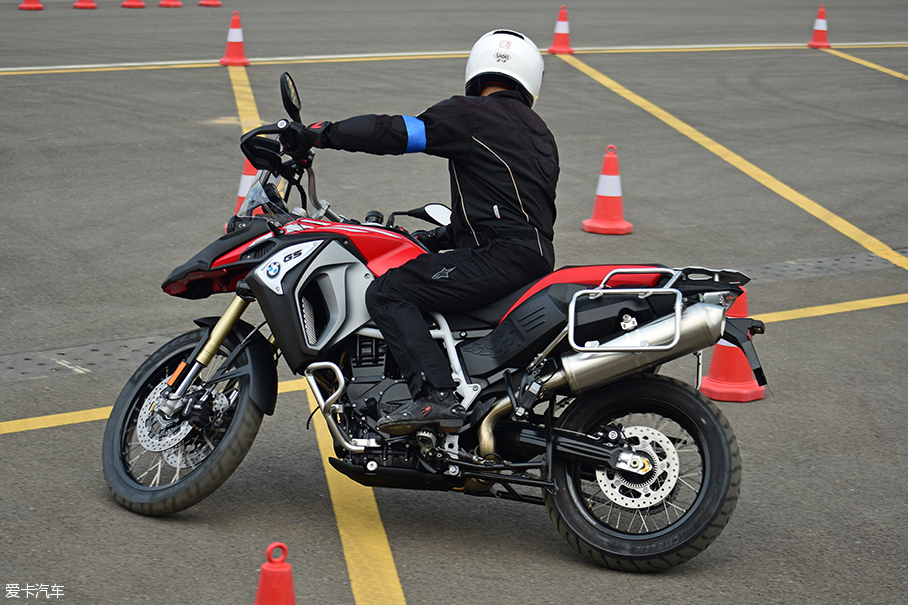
x=158, y=467
x=647, y=523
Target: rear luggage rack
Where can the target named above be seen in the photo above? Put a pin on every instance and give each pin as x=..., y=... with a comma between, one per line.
x=603, y=290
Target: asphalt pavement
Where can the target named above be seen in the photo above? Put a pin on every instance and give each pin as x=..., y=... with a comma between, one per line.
x=739, y=147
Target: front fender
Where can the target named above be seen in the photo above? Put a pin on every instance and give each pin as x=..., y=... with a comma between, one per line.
x=261, y=367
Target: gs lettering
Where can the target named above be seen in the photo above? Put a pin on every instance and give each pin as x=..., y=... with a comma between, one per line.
x=292, y=255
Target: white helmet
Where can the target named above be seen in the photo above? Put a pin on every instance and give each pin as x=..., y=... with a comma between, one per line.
x=506, y=58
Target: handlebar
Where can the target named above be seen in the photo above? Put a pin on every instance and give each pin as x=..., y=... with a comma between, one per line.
x=265, y=150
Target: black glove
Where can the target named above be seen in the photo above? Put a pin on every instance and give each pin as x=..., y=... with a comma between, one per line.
x=299, y=139
x=434, y=240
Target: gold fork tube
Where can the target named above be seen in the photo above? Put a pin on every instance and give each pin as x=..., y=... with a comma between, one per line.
x=221, y=329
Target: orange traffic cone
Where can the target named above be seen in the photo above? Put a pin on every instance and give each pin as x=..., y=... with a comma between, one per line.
x=820, y=39
x=561, y=43
x=133, y=4
x=275, y=579
x=85, y=4
x=170, y=4
x=31, y=5
x=249, y=173
x=730, y=377
x=236, y=54
x=608, y=211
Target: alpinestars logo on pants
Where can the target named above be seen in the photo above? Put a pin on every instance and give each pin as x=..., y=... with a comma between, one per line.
x=444, y=273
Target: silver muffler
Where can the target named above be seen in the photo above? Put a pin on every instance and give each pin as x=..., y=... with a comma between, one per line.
x=700, y=325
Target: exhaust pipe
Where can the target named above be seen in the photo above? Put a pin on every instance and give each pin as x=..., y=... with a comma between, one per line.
x=701, y=327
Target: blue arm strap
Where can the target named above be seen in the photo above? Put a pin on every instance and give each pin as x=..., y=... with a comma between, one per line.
x=416, y=134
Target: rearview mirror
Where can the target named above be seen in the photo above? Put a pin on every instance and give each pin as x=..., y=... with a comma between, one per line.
x=438, y=214
x=290, y=97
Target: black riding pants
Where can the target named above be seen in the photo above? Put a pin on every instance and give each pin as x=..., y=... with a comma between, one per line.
x=458, y=280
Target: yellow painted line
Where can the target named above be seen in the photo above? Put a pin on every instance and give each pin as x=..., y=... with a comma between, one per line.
x=885, y=70
x=767, y=180
x=833, y=309
x=370, y=564
x=43, y=422
x=680, y=49
x=245, y=101
x=113, y=67
x=357, y=58
x=83, y=69
x=693, y=48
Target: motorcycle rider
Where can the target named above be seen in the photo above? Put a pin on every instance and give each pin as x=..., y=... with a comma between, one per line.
x=503, y=166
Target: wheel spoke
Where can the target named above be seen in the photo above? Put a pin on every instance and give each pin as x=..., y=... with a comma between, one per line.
x=176, y=476
x=642, y=521
x=156, y=481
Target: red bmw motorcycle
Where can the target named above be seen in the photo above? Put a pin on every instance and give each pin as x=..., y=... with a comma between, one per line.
x=565, y=406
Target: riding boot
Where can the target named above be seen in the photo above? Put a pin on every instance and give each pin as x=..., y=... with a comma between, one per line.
x=439, y=408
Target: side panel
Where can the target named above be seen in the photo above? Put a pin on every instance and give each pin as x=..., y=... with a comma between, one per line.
x=521, y=334
x=315, y=299
x=383, y=248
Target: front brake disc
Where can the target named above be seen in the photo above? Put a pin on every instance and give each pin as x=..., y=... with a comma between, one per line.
x=153, y=431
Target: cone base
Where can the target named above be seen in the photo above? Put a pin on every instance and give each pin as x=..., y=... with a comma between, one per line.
x=561, y=50
x=740, y=392
x=85, y=5
x=31, y=7
x=275, y=585
x=241, y=62
x=819, y=45
x=210, y=3
x=133, y=4
x=607, y=227
x=170, y=4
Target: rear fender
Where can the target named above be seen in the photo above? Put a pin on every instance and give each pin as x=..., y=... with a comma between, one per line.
x=260, y=366
x=739, y=331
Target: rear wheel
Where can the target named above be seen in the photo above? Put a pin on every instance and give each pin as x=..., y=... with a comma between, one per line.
x=668, y=516
x=158, y=467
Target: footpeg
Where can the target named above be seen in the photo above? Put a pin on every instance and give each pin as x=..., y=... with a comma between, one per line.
x=426, y=438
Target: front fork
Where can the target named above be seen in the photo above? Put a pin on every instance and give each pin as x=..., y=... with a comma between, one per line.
x=201, y=357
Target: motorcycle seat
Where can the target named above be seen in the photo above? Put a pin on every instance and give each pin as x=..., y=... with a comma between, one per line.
x=587, y=275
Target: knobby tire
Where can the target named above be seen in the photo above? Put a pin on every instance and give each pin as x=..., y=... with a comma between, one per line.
x=578, y=503
x=230, y=443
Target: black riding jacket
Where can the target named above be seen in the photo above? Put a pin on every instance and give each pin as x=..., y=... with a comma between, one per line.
x=501, y=156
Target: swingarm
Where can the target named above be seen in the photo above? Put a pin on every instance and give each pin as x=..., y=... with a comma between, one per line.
x=601, y=450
